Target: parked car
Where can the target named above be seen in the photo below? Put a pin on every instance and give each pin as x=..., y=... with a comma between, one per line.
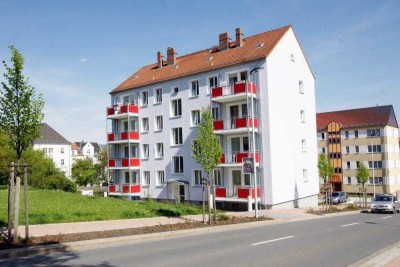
x=337, y=197
x=385, y=203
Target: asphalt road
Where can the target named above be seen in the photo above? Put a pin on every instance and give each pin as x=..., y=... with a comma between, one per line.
x=328, y=241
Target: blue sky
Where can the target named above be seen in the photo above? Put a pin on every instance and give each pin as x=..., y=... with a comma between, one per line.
x=76, y=52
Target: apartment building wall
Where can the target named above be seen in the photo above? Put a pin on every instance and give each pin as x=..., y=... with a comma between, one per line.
x=60, y=154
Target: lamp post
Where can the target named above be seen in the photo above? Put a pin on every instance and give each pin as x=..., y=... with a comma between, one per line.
x=373, y=166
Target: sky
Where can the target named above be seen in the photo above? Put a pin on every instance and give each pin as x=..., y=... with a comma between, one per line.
x=77, y=52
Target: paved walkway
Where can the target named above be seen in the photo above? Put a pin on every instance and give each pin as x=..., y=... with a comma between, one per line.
x=388, y=257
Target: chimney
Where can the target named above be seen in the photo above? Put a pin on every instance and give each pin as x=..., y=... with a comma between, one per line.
x=239, y=40
x=171, y=56
x=159, y=60
x=224, y=41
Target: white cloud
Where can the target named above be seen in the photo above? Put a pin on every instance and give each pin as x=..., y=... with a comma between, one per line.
x=84, y=59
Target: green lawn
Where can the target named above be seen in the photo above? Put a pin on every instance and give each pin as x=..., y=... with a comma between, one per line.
x=58, y=207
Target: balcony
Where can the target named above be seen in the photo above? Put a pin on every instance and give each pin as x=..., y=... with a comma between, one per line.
x=237, y=157
x=233, y=92
x=122, y=111
x=125, y=189
x=122, y=163
x=235, y=125
x=123, y=137
x=239, y=192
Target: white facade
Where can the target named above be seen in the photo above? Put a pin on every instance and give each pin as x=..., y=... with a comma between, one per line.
x=284, y=104
x=60, y=154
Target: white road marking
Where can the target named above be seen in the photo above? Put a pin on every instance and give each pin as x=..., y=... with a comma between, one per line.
x=345, y=225
x=386, y=217
x=272, y=240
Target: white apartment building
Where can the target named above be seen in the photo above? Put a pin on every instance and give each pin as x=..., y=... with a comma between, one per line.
x=260, y=88
x=55, y=147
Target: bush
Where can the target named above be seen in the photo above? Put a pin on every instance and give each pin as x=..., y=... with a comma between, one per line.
x=352, y=207
x=59, y=182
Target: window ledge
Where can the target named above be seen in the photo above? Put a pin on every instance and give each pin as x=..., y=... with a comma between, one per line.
x=157, y=103
x=193, y=96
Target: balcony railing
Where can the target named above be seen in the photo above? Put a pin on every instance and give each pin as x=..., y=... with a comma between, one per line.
x=237, y=157
x=236, y=191
x=123, y=162
x=235, y=123
x=122, y=109
x=124, y=136
x=125, y=189
x=233, y=89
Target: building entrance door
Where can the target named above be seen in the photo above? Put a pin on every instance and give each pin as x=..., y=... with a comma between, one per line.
x=181, y=193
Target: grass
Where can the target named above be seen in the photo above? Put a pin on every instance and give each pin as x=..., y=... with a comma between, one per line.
x=47, y=206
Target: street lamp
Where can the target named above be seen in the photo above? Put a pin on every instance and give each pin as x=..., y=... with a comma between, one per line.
x=373, y=167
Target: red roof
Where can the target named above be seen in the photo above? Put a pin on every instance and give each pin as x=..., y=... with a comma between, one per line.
x=361, y=117
x=206, y=60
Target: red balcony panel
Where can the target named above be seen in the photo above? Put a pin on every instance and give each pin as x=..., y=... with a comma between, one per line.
x=258, y=192
x=254, y=88
x=111, y=163
x=218, y=125
x=243, y=192
x=216, y=92
x=240, y=156
x=110, y=111
x=134, y=135
x=135, y=162
x=135, y=188
x=133, y=109
x=124, y=135
x=240, y=122
x=239, y=88
x=111, y=188
x=255, y=124
x=223, y=158
x=257, y=156
x=220, y=192
x=111, y=137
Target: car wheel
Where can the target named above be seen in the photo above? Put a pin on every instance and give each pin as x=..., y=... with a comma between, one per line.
x=393, y=210
x=372, y=211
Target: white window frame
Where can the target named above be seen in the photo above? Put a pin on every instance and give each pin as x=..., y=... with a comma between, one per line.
x=145, y=125
x=146, y=152
x=144, y=97
x=176, y=107
x=159, y=150
x=146, y=178
x=302, y=116
x=158, y=123
x=180, y=169
x=177, y=136
x=301, y=87
x=215, y=80
x=62, y=162
x=197, y=177
x=194, y=88
x=160, y=178
x=218, y=178
x=195, y=117
x=304, y=145
x=305, y=175
x=158, y=96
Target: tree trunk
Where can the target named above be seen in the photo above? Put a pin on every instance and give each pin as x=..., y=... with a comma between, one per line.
x=26, y=205
x=16, y=207
x=10, y=202
x=204, y=204
x=214, y=202
x=208, y=202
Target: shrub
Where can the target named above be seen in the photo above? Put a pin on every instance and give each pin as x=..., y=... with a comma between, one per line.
x=352, y=207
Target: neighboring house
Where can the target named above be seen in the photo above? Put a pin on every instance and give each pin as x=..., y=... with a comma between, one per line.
x=55, y=147
x=260, y=88
x=87, y=150
x=368, y=135
x=76, y=153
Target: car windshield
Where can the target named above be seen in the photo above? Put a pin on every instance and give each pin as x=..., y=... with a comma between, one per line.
x=383, y=198
x=335, y=194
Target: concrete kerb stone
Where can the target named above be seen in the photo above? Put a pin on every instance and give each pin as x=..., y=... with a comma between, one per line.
x=383, y=257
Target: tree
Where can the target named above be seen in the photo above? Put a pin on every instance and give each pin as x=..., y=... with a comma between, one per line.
x=325, y=171
x=102, y=173
x=207, y=150
x=362, y=177
x=84, y=172
x=20, y=118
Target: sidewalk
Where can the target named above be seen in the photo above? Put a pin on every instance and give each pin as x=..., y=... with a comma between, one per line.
x=388, y=257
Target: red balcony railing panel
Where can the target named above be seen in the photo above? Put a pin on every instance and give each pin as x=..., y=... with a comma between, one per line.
x=240, y=156
x=134, y=162
x=110, y=111
x=134, y=135
x=242, y=192
x=134, y=188
x=220, y=192
x=239, y=88
x=111, y=163
x=111, y=188
x=124, y=135
x=258, y=192
x=218, y=125
x=111, y=137
x=253, y=122
x=240, y=122
x=257, y=156
x=223, y=158
x=216, y=92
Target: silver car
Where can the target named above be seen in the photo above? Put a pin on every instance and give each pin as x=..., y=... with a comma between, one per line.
x=337, y=197
x=385, y=203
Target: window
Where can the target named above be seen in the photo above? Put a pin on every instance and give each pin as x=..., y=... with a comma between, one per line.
x=349, y=180
x=243, y=76
x=348, y=164
x=88, y=151
x=178, y=164
x=373, y=132
x=302, y=116
x=347, y=150
x=212, y=83
x=215, y=113
x=159, y=150
x=292, y=57
x=301, y=87
x=145, y=98
x=145, y=151
x=125, y=100
x=346, y=134
x=160, y=177
x=195, y=117
x=127, y=178
x=245, y=143
x=247, y=180
x=194, y=89
x=176, y=108
x=358, y=164
x=146, y=178
x=355, y=134
x=323, y=150
x=375, y=164
x=51, y=150
x=145, y=125
x=303, y=145
x=357, y=149
x=378, y=180
x=177, y=136
x=62, y=162
x=158, y=123
x=374, y=149
x=305, y=175
x=218, y=177
x=45, y=150
x=158, y=96
x=323, y=136
x=197, y=177
x=175, y=90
